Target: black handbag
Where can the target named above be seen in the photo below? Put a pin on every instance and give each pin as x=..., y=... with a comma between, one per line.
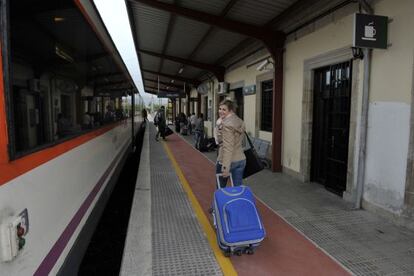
x=253, y=162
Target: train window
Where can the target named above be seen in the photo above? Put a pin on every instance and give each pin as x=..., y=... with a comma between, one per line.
x=62, y=81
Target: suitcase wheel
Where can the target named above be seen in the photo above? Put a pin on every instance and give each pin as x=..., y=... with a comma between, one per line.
x=249, y=251
x=227, y=253
x=239, y=252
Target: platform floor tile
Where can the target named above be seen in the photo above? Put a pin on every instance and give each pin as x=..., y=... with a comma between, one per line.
x=179, y=246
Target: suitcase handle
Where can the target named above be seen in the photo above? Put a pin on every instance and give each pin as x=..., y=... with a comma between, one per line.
x=218, y=180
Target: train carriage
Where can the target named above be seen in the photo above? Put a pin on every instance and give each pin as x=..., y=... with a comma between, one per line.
x=68, y=115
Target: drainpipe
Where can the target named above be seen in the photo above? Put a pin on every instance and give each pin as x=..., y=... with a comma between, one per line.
x=364, y=119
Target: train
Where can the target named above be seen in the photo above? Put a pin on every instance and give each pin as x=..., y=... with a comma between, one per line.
x=69, y=114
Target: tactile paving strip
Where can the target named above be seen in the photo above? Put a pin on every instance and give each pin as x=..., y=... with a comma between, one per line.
x=179, y=246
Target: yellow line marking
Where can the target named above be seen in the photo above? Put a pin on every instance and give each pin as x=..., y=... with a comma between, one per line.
x=224, y=262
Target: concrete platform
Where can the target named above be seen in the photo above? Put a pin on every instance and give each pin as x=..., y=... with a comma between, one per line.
x=310, y=231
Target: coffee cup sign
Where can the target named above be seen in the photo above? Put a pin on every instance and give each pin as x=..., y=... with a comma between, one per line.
x=370, y=32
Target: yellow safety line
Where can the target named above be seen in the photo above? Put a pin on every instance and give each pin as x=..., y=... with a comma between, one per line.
x=224, y=262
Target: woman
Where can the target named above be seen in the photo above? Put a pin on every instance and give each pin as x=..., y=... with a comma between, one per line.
x=229, y=136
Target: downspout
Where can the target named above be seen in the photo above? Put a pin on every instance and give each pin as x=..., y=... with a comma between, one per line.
x=364, y=118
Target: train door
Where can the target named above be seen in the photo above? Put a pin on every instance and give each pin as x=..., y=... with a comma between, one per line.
x=330, y=134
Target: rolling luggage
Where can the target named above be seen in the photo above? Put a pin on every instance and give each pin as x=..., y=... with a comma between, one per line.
x=238, y=225
x=184, y=130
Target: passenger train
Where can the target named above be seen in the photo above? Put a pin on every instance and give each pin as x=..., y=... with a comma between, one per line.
x=69, y=113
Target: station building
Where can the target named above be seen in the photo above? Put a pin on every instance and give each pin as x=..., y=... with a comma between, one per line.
x=334, y=114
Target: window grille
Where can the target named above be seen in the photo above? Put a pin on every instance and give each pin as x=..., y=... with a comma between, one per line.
x=267, y=105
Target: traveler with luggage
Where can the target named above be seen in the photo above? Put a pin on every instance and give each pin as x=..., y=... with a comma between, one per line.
x=177, y=124
x=199, y=130
x=192, y=122
x=159, y=120
x=183, y=124
x=230, y=133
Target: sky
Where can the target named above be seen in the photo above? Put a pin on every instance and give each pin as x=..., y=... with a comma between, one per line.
x=115, y=17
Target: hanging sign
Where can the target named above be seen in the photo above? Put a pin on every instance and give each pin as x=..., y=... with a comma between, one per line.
x=249, y=90
x=370, y=31
x=170, y=94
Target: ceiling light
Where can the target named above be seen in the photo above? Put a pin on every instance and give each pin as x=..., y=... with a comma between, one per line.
x=262, y=65
x=181, y=70
x=62, y=54
x=58, y=19
x=172, y=81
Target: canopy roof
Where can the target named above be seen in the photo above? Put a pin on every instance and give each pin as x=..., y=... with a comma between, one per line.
x=182, y=40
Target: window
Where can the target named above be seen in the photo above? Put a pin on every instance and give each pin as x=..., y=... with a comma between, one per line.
x=267, y=105
x=62, y=81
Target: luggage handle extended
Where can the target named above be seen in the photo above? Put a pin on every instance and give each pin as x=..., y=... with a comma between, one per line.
x=218, y=180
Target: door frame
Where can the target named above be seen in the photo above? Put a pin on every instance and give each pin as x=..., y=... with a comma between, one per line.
x=325, y=111
x=326, y=59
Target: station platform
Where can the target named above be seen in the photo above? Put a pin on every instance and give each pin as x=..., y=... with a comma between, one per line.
x=310, y=231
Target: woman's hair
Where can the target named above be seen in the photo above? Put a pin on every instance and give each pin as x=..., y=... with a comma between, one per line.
x=229, y=103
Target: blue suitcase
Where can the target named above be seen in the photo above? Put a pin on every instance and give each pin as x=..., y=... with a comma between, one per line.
x=238, y=225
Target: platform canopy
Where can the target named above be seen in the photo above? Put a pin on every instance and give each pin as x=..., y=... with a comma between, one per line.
x=187, y=41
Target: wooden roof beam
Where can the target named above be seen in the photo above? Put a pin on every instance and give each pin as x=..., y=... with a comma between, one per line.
x=218, y=71
x=189, y=81
x=273, y=39
x=165, y=83
x=161, y=89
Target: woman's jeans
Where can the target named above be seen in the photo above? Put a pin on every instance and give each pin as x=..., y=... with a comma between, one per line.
x=236, y=170
x=198, y=134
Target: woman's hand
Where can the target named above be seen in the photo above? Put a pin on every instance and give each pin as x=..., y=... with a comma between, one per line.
x=226, y=174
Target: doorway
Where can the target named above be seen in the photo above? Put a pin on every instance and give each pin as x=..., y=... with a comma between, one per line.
x=239, y=100
x=330, y=131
